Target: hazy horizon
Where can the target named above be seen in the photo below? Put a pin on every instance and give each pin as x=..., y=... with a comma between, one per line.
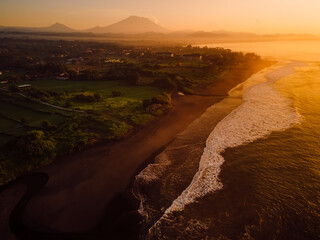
x=262, y=17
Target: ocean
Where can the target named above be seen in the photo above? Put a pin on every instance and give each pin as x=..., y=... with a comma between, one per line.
x=249, y=167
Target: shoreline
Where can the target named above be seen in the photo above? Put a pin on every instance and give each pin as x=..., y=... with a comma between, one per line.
x=76, y=206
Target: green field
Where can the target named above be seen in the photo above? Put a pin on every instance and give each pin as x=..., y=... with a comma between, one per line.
x=33, y=117
x=6, y=123
x=20, y=101
x=19, y=115
x=127, y=107
x=104, y=88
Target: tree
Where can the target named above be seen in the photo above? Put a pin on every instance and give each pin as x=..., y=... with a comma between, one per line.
x=97, y=96
x=116, y=94
x=34, y=147
x=46, y=125
x=68, y=104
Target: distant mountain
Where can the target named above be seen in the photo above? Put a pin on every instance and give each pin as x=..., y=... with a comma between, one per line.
x=57, y=27
x=143, y=28
x=131, y=25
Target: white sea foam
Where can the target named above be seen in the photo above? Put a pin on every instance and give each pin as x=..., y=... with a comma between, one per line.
x=262, y=112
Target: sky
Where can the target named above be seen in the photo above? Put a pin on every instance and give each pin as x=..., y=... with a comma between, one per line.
x=258, y=16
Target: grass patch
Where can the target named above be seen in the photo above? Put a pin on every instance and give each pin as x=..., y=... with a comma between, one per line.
x=6, y=123
x=105, y=88
x=31, y=117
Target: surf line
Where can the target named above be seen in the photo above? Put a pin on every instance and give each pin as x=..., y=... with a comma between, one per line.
x=262, y=112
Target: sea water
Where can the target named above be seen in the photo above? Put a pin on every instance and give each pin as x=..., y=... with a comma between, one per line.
x=253, y=171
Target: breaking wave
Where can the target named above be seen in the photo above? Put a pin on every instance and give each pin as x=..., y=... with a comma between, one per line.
x=262, y=112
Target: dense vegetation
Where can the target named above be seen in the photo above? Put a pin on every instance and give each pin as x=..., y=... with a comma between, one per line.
x=57, y=97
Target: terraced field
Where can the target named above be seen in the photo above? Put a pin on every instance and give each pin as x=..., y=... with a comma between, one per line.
x=19, y=115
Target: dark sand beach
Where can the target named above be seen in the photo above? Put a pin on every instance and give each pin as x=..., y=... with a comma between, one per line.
x=89, y=190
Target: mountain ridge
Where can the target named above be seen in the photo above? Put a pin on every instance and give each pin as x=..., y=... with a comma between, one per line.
x=56, y=27
x=134, y=26
x=130, y=25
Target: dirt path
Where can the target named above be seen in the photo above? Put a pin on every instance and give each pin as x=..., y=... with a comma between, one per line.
x=80, y=186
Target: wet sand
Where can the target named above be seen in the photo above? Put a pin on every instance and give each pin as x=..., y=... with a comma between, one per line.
x=80, y=187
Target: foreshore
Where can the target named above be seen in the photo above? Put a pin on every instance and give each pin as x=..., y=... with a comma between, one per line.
x=81, y=193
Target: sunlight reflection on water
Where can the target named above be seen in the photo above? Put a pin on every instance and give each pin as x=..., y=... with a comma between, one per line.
x=291, y=50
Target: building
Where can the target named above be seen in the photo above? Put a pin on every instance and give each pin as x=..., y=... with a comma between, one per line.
x=25, y=86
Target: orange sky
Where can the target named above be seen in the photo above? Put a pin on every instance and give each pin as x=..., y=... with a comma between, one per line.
x=260, y=16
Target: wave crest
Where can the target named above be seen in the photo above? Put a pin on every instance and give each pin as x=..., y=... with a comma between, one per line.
x=262, y=112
